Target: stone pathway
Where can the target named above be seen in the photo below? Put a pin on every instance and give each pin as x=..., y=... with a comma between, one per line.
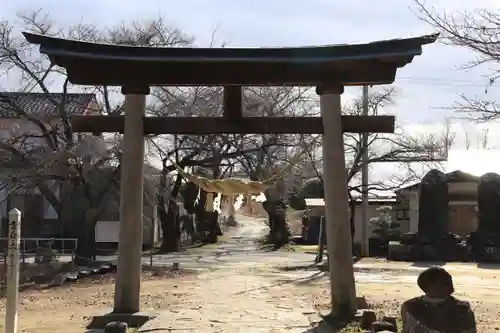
x=234, y=301
x=238, y=296
x=242, y=246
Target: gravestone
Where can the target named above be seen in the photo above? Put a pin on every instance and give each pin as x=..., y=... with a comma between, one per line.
x=433, y=205
x=488, y=203
x=433, y=241
x=485, y=242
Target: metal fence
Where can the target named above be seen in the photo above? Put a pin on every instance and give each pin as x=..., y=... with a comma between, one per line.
x=61, y=247
x=38, y=250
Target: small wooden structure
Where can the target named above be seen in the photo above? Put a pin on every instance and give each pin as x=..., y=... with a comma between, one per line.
x=315, y=206
x=328, y=68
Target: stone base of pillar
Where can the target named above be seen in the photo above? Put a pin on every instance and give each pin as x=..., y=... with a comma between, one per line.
x=133, y=320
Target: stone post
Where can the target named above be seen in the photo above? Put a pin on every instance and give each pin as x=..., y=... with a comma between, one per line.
x=12, y=279
x=128, y=275
x=338, y=229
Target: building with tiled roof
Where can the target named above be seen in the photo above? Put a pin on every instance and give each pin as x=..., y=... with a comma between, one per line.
x=19, y=112
x=14, y=104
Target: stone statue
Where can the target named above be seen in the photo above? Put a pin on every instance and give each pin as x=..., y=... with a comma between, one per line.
x=437, y=311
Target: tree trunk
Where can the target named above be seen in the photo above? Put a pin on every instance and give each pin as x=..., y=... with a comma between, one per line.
x=212, y=218
x=206, y=222
x=278, y=233
x=85, y=250
x=169, y=216
x=352, y=215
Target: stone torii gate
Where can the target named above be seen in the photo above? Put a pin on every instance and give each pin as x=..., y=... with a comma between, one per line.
x=328, y=68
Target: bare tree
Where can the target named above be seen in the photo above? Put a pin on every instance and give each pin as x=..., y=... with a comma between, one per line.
x=478, y=31
x=399, y=147
x=280, y=149
x=402, y=148
x=218, y=155
x=63, y=166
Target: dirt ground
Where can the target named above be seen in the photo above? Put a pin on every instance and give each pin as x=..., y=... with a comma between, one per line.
x=387, y=292
x=293, y=217
x=385, y=284
x=69, y=308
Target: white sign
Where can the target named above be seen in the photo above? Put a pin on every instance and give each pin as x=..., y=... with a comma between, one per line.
x=107, y=231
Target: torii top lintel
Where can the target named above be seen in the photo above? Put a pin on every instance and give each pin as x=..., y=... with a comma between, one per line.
x=118, y=65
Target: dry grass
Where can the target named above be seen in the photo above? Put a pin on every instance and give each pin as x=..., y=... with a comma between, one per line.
x=321, y=302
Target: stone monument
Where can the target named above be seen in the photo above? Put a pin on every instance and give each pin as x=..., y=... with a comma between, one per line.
x=485, y=242
x=433, y=205
x=432, y=241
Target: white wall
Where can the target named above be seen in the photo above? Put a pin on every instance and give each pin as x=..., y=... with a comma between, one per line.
x=109, y=232
x=358, y=221
x=413, y=200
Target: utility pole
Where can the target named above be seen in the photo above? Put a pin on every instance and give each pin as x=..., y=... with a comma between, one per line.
x=364, y=181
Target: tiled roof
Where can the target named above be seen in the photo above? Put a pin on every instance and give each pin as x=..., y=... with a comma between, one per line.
x=40, y=104
x=456, y=176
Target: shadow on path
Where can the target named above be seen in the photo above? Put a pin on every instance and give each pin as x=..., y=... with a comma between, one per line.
x=329, y=325
x=299, y=280
x=484, y=265
x=310, y=267
x=427, y=264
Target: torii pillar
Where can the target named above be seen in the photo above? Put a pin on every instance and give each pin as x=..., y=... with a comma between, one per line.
x=342, y=287
x=128, y=276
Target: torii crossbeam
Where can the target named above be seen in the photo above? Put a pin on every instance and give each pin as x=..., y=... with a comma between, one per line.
x=328, y=68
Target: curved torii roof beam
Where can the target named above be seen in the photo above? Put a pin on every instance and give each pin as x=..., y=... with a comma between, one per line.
x=118, y=65
x=138, y=67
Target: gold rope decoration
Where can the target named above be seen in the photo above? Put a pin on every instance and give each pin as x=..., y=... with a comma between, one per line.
x=235, y=186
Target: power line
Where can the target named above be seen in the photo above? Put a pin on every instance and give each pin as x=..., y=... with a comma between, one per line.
x=439, y=79
x=445, y=82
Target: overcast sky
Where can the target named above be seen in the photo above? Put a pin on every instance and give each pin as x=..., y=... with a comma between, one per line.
x=430, y=82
